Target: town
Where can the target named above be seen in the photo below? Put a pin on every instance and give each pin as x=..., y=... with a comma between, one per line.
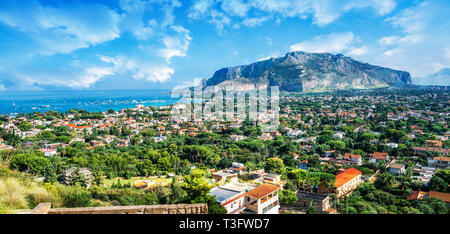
x=347, y=152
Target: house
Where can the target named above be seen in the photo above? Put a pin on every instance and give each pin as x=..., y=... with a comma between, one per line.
x=329, y=153
x=272, y=178
x=160, y=138
x=263, y=199
x=237, y=168
x=433, y=150
x=338, y=135
x=392, y=145
x=265, y=136
x=295, y=133
x=28, y=144
x=440, y=195
x=221, y=177
x=5, y=147
x=347, y=181
x=439, y=162
x=237, y=137
x=320, y=201
x=424, y=173
x=303, y=165
x=378, y=156
x=48, y=152
x=396, y=168
x=432, y=194
x=417, y=195
x=353, y=157
x=231, y=196
x=434, y=143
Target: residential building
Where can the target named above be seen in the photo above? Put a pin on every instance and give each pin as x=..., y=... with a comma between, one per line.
x=221, y=177
x=272, y=178
x=439, y=162
x=320, y=201
x=378, y=156
x=237, y=168
x=396, y=168
x=347, y=181
x=353, y=157
x=263, y=199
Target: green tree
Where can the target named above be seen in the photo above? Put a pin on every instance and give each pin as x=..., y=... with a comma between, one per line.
x=274, y=165
x=287, y=197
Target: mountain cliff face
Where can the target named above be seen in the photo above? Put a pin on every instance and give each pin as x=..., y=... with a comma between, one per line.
x=309, y=72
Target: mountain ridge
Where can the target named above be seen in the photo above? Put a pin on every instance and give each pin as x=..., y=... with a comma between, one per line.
x=309, y=72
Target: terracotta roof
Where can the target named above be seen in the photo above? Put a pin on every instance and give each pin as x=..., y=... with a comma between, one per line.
x=440, y=195
x=262, y=190
x=346, y=176
x=352, y=156
x=447, y=159
x=417, y=195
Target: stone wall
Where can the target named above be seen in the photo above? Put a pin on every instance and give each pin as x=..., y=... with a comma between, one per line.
x=150, y=209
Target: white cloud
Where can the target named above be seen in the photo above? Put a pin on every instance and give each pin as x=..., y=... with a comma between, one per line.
x=176, y=45
x=138, y=69
x=358, y=51
x=154, y=73
x=88, y=77
x=235, y=7
x=333, y=43
x=323, y=12
x=252, y=22
x=421, y=48
x=63, y=29
x=391, y=40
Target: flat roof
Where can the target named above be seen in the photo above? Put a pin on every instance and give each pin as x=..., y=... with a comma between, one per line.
x=222, y=194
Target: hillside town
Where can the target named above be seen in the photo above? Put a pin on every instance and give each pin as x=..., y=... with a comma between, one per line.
x=360, y=152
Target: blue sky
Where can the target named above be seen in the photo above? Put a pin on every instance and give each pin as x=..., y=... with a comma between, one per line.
x=137, y=44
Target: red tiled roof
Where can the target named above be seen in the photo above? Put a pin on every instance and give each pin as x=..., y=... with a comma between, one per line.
x=440, y=195
x=346, y=176
x=262, y=190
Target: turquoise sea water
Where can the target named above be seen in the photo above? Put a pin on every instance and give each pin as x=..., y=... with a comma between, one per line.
x=12, y=102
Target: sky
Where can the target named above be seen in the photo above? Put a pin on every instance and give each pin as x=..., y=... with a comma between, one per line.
x=162, y=44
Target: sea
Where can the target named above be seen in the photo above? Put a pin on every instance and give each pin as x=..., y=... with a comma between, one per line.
x=14, y=102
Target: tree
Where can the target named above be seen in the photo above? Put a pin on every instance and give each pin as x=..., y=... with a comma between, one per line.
x=288, y=197
x=274, y=165
x=438, y=184
x=216, y=209
x=312, y=208
x=385, y=181
x=25, y=126
x=196, y=186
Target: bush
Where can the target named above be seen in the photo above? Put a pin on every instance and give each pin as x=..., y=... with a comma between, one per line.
x=75, y=196
x=216, y=209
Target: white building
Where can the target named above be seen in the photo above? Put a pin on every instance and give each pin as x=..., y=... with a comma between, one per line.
x=263, y=199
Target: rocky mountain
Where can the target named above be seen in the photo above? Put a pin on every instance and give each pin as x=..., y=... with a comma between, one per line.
x=441, y=77
x=309, y=72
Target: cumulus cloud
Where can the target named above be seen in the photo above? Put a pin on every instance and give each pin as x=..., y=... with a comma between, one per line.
x=176, y=45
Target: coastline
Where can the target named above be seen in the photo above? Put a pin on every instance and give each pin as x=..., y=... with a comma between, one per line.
x=13, y=103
